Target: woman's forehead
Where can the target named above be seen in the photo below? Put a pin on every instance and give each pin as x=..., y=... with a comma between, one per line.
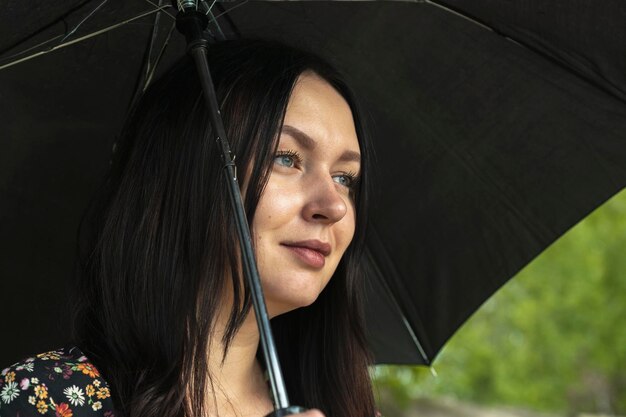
x=316, y=109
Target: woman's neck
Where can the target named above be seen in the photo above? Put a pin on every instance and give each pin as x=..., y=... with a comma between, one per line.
x=240, y=387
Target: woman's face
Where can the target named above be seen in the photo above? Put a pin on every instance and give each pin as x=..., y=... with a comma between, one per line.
x=305, y=218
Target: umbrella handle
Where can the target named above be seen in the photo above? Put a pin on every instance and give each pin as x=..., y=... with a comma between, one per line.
x=294, y=409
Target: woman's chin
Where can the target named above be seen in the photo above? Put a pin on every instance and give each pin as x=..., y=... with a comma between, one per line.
x=276, y=307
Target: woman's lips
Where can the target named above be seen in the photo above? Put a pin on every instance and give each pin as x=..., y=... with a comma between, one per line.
x=309, y=256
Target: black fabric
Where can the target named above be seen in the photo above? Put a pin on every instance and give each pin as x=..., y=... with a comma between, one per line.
x=584, y=37
x=488, y=149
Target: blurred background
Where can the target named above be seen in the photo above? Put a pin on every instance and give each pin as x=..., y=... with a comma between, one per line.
x=551, y=342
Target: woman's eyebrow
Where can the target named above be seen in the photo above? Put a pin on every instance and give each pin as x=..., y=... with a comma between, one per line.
x=302, y=138
x=350, y=156
x=309, y=143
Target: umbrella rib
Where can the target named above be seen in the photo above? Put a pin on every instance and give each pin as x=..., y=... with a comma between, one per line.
x=75, y=28
x=211, y=7
x=153, y=35
x=447, y=9
x=82, y=38
x=148, y=67
x=65, y=36
x=231, y=9
x=32, y=47
x=158, y=58
x=409, y=328
x=217, y=25
x=164, y=7
x=40, y=30
x=399, y=311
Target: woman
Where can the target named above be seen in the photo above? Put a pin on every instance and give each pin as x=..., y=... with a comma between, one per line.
x=163, y=317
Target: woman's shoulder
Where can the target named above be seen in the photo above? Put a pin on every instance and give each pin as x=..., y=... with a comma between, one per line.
x=60, y=383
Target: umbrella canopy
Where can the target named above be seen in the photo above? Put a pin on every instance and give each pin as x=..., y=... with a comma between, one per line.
x=497, y=126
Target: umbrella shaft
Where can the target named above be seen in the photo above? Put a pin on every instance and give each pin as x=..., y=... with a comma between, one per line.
x=277, y=384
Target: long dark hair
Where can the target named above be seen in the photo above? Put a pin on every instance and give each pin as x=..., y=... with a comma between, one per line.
x=155, y=246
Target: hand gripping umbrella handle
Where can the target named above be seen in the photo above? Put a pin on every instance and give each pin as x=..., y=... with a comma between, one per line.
x=192, y=23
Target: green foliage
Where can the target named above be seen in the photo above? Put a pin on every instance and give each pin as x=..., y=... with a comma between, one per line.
x=552, y=339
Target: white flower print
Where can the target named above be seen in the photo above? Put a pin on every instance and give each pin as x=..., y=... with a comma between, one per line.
x=96, y=406
x=75, y=395
x=9, y=392
x=32, y=400
x=30, y=367
x=34, y=381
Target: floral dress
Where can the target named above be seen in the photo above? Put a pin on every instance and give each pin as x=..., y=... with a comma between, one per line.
x=60, y=383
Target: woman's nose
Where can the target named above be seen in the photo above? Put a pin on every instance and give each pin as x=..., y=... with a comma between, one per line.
x=324, y=202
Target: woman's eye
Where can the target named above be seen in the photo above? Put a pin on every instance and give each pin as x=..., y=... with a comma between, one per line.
x=287, y=159
x=347, y=180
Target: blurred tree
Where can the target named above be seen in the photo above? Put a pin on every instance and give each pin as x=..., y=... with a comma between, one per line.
x=552, y=339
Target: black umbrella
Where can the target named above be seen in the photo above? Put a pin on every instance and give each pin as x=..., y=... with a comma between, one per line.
x=498, y=126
